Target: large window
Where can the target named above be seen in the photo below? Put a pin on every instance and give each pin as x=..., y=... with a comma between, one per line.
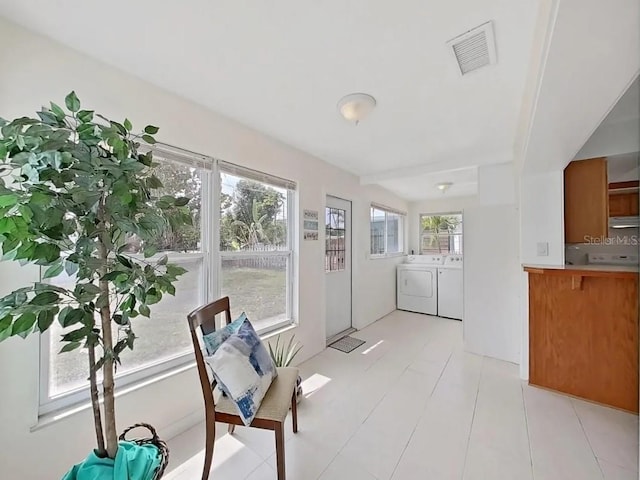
x=249, y=257
x=387, y=231
x=441, y=233
x=256, y=245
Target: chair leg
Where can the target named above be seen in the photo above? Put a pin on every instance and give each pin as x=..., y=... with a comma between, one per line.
x=279, y=430
x=294, y=412
x=208, y=447
x=231, y=428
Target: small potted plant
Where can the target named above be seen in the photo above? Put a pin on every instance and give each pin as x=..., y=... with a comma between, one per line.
x=76, y=191
x=282, y=356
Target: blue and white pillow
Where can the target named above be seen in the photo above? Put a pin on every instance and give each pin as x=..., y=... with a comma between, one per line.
x=241, y=365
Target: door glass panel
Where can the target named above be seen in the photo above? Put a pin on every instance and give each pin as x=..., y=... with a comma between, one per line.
x=335, y=247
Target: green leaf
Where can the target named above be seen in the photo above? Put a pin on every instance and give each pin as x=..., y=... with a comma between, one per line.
x=57, y=111
x=144, y=310
x=45, y=298
x=23, y=324
x=70, y=347
x=5, y=327
x=71, y=268
x=74, y=316
x=72, y=102
x=149, y=139
x=53, y=271
x=8, y=200
x=85, y=116
x=151, y=130
x=127, y=124
x=45, y=319
x=163, y=260
x=150, y=251
x=181, y=201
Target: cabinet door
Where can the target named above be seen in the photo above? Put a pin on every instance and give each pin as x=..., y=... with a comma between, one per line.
x=623, y=204
x=586, y=200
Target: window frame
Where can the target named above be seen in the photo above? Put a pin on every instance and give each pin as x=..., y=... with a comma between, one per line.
x=211, y=277
x=440, y=214
x=288, y=254
x=401, y=232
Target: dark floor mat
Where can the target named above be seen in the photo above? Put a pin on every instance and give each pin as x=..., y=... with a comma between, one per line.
x=347, y=344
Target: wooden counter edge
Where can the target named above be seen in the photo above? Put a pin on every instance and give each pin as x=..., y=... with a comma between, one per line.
x=580, y=272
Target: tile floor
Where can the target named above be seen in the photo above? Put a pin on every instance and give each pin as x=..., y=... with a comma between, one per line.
x=411, y=404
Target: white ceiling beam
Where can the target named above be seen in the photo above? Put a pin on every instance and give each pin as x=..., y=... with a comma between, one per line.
x=452, y=165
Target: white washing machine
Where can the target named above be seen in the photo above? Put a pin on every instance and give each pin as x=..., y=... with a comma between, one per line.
x=450, y=287
x=418, y=284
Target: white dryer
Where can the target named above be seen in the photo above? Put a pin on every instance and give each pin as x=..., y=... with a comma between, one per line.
x=450, y=288
x=417, y=289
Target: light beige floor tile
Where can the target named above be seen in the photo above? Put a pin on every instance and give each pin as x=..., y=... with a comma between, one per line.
x=343, y=468
x=411, y=404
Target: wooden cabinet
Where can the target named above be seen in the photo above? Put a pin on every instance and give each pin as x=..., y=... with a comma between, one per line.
x=586, y=200
x=583, y=334
x=623, y=204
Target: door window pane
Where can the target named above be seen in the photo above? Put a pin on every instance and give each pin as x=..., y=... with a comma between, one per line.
x=335, y=248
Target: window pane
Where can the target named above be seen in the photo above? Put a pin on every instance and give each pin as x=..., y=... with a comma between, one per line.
x=253, y=215
x=182, y=181
x=165, y=334
x=393, y=233
x=257, y=286
x=441, y=234
x=377, y=231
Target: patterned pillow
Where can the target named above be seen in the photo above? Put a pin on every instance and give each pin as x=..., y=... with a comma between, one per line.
x=241, y=365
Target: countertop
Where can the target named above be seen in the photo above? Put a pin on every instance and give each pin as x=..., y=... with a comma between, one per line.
x=585, y=270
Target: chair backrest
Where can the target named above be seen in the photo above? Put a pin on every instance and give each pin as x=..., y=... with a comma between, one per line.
x=205, y=319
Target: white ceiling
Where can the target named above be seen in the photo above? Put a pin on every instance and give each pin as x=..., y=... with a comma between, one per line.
x=280, y=67
x=422, y=186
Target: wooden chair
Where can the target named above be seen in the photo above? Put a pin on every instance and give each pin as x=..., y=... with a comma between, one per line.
x=272, y=412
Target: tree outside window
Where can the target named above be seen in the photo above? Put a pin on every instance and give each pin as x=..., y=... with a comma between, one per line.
x=441, y=234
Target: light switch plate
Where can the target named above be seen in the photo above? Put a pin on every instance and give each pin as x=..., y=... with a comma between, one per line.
x=542, y=249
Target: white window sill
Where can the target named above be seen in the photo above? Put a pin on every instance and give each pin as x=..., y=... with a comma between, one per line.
x=54, y=417
x=51, y=418
x=386, y=255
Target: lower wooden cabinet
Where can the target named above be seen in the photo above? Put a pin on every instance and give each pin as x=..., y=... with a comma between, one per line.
x=583, y=336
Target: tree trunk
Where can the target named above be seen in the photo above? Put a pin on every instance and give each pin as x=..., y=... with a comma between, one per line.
x=107, y=368
x=95, y=400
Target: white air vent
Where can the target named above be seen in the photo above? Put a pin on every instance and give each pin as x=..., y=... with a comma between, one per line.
x=475, y=48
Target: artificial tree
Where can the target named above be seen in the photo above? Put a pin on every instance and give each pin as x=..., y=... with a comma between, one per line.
x=80, y=196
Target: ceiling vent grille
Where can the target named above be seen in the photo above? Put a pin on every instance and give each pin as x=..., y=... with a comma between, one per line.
x=474, y=49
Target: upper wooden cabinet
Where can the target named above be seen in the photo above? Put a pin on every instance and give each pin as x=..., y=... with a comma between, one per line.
x=623, y=204
x=586, y=200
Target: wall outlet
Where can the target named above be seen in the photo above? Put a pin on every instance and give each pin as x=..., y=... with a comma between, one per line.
x=542, y=249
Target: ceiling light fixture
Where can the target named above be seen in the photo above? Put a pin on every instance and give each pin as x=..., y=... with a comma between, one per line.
x=356, y=106
x=444, y=186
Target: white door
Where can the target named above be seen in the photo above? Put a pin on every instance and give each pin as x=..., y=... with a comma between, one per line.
x=338, y=266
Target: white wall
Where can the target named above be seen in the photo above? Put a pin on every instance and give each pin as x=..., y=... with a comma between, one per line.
x=492, y=319
x=542, y=217
x=41, y=71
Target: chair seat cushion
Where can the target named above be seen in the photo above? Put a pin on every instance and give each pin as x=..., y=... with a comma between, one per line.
x=275, y=403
